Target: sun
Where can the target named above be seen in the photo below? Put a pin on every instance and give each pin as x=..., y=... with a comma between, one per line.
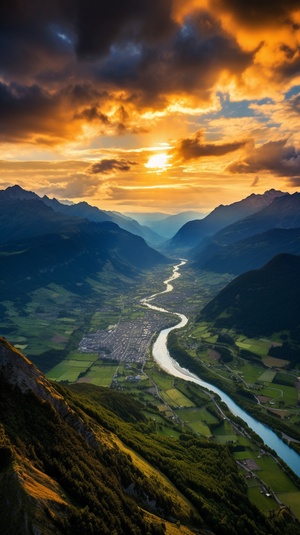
x=158, y=161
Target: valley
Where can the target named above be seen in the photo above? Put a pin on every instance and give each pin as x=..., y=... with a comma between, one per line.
x=149, y=267
x=94, y=307
x=114, y=351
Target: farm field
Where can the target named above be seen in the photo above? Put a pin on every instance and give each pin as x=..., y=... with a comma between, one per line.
x=247, y=371
x=88, y=370
x=69, y=369
x=176, y=398
x=99, y=374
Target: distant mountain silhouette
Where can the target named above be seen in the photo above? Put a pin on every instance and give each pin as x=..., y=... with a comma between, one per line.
x=81, y=210
x=193, y=232
x=167, y=225
x=16, y=192
x=260, y=302
x=92, y=213
x=282, y=212
x=251, y=253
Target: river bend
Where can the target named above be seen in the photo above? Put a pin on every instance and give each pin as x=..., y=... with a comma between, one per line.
x=166, y=362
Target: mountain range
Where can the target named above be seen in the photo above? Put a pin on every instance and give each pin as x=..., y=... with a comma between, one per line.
x=82, y=210
x=282, y=212
x=39, y=245
x=191, y=234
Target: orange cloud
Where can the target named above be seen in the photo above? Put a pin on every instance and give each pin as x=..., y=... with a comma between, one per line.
x=275, y=156
x=194, y=147
x=107, y=166
x=80, y=82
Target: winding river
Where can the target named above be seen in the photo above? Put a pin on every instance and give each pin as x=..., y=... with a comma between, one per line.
x=167, y=363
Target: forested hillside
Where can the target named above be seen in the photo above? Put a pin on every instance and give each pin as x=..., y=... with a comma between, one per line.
x=260, y=302
x=86, y=461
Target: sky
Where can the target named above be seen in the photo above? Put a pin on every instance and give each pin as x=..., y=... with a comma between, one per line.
x=150, y=105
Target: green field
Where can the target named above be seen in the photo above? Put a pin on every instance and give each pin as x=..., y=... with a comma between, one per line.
x=287, y=393
x=161, y=379
x=259, y=347
x=197, y=419
x=68, y=370
x=263, y=502
x=267, y=376
x=99, y=374
x=176, y=398
x=225, y=433
x=292, y=500
x=249, y=372
x=273, y=476
x=195, y=414
x=201, y=428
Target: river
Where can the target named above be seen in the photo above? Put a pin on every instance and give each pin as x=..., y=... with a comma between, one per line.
x=167, y=363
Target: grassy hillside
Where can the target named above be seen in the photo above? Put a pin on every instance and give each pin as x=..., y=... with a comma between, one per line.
x=260, y=302
x=86, y=461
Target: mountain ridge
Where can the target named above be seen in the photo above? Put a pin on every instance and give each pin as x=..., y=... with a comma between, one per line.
x=82, y=210
x=260, y=302
x=249, y=253
x=282, y=212
x=191, y=234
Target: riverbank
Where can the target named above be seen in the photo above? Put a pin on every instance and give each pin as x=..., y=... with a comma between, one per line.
x=163, y=358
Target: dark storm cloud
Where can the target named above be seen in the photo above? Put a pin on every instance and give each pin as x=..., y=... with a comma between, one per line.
x=31, y=111
x=276, y=156
x=48, y=48
x=35, y=36
x=92, y=114
x=257, y=12
x=102, y=23
x=24, y=110
x=141, y=49
x=106, y=166
x=194, y=147
x=294, y=182
x=191, y=60
x=201, y=40
x=131, y=43
x=291, y=67
x=46, y=35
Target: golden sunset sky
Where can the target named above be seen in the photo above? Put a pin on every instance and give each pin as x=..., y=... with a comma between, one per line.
x=141, y=105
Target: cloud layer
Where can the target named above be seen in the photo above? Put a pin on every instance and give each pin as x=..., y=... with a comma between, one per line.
x=218, y=81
